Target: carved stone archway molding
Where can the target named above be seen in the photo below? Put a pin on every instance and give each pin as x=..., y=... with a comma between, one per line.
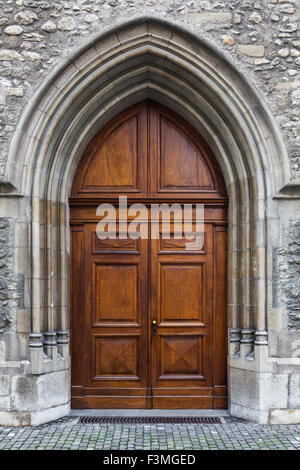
x=145, y=57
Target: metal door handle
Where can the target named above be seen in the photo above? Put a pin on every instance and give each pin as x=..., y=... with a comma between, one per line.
x=154, y=326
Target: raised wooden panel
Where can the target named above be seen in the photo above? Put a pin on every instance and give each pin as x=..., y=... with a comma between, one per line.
x=114, y=166
x=182, y=245
x=116, y=158
x=187, y=243
x=114, y=245
x=181, y=161
x=176, y=172
x=114, y=357
x=181, y=357
x=181, y=292
x=115, y=292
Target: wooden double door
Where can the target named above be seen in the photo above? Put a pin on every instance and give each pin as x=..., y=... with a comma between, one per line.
x=148, y=323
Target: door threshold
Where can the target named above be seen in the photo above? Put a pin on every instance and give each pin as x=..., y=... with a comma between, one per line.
x=150, y=413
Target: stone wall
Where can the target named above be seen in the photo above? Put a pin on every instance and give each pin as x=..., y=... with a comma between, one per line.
x=287, y=268
x=261, y=37
x=7, y=286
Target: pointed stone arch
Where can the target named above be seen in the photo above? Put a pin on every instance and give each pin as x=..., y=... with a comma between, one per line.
x=148, y=58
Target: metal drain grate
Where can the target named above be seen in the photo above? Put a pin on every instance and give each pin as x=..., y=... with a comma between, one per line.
x=150, y=420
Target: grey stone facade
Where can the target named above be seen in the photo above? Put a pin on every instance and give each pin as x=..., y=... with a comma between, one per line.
x=229, y=67
x=7, y=287
x=288, y=272
x=261, y=38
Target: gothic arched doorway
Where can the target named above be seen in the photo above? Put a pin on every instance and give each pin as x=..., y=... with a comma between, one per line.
x=120, y=287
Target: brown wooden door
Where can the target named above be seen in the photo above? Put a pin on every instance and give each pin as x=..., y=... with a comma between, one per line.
x=119, y=287
x=116, y=321
x=182, y=306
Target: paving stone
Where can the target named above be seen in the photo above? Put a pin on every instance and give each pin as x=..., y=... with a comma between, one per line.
x=236, y=436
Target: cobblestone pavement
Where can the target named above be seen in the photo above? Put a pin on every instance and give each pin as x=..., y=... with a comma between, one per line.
x=68, y=433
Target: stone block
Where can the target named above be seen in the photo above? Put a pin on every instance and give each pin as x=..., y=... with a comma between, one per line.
x=10, y=55
x=13, y=30
x=49, y=26
x=228, y=40
x=65, y=78
x=49, y=414
x=258, y=391
x=288, y=342
x=107, y=44
x=244, y=389
x=66, y=23
x=15, y=91
x=249, y=414
x=128, y=34
x=5, y=403
x=294, y=391
x=210, y=17
x=273, y=391
x=31, y=56
x=252, y=50
x=26, y=17
x=35, y=393
x=14, y=418
x=4, y=385
x=86, y=59
x=23, y=321
x=288, y=416
x=14, y=345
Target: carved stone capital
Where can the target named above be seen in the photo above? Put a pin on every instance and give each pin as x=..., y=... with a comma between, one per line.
x=247, y=336
x=35, y=340
x=62, y=337
x=50, y=338
x=235, y=335
x=261, y=338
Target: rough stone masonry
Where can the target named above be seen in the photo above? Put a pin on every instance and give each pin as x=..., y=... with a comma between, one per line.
x=261, y=39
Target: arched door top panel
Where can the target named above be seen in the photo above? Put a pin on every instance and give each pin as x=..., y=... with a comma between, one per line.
x=140, y=153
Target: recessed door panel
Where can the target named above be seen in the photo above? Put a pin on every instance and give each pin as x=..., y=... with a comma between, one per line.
x=175, y=173
x=181, y=357
x=113, y=245
x=115, y=161
x=122, y=281
x=181, y=162
x=115, y=357
x=114, y=166
x=181, y=290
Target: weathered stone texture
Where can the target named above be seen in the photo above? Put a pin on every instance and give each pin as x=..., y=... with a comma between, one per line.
x=287, y=272
x=7, y=284
x=261, y=38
